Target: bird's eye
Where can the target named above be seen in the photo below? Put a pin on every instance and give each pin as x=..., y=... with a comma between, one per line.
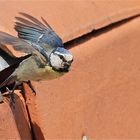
x=61, y=57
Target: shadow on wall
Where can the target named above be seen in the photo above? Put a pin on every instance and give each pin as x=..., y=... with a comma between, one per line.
x=21, y=118
x=38, y=135
x=96, y=33
x=26, y=128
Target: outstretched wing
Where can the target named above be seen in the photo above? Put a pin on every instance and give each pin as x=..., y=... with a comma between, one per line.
x=16, y=43
x=33, y=31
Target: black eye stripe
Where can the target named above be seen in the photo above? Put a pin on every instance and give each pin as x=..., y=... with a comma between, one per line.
x=62, y=58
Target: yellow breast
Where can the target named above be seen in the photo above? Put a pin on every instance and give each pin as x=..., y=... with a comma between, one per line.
x=30, y=70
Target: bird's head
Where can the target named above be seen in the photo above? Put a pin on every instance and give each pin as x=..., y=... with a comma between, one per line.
x=61, y=59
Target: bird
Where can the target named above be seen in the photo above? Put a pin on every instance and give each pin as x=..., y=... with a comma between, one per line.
x=45, y=56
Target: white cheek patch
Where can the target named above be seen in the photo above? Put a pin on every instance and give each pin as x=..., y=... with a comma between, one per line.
x=55, y=60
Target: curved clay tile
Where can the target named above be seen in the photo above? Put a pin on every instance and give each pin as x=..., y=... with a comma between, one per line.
x=99, y=98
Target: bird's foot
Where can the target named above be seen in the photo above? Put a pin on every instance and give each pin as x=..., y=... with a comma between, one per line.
x=31, y=86
x=11, y=96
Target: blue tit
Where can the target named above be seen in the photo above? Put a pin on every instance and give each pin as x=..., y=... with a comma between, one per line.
x=45, y=59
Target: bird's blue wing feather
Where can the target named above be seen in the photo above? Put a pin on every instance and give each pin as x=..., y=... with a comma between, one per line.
x=33, y=31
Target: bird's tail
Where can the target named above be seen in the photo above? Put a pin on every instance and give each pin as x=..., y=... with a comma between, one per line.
x=6, y=76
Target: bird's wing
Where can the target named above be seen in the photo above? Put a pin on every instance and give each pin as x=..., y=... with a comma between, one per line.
x=20, y=45
x=34, y=31
x=16, y=43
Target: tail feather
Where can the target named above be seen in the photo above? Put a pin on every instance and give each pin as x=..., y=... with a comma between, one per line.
x=10, y=80
x=6, y=76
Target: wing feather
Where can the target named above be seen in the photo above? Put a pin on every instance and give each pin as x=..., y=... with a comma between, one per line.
x=18, y=44
x=33, y=31
x=36, y=21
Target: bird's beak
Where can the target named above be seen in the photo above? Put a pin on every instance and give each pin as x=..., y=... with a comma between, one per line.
x=67, y=66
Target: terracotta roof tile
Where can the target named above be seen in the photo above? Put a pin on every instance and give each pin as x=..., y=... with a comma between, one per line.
x=99, y=97
x=70, y=18
x=14, y=122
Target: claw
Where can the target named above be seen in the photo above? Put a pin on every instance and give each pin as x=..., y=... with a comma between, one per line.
x=11, y=96
x=31, y=86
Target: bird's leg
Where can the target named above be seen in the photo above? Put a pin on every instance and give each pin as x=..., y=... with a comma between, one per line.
x=11, y=96
x=31, y=86
x=11, y=93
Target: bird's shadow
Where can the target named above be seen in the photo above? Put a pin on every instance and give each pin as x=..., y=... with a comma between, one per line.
x=26, y=128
